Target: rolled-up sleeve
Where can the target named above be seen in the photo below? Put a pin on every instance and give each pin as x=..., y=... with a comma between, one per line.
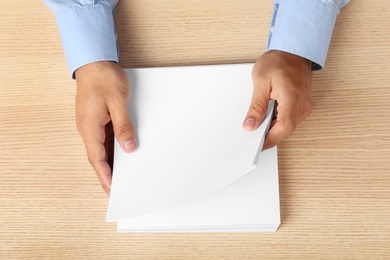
x=304, y=27
x=87, y=31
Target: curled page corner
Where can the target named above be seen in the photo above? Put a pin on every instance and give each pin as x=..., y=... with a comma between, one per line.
x=190, y=137
x=266, y=124
x=263, y=128
x=250, y=203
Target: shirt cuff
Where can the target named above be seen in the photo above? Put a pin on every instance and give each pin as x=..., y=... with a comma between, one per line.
x=88, y=35
x=304, y=28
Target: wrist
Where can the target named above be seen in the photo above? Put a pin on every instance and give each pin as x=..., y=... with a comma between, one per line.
x=94, y=69
x=292, y=58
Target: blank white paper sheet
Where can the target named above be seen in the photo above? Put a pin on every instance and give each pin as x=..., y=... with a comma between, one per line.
x=196, y=168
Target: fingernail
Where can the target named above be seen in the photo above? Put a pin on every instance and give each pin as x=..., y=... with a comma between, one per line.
x=130, y=146
x=249, y=124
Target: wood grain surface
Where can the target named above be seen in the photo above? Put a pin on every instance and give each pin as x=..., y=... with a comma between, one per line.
x=334, y=170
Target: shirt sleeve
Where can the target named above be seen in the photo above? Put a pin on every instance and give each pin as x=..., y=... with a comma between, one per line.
x=304, y=28
x=87, y=30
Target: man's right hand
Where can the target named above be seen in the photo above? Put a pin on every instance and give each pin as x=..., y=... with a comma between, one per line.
x=103, y=94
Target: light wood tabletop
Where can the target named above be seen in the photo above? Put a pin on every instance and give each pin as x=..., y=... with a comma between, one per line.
x=334, y=169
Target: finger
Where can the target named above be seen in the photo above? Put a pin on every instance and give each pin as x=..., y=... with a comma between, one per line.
x=94, y=139
x=284, y=124
x=103, y=171
x=277, y=133
x=123, y=127
x=259, y=105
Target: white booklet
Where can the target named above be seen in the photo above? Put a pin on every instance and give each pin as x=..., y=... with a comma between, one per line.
x=196, y=168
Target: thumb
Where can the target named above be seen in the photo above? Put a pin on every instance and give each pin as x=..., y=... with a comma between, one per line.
x=258, y=107
x=123, y=128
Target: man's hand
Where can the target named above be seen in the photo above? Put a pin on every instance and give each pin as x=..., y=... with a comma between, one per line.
x=103, y=94
x=286, y=78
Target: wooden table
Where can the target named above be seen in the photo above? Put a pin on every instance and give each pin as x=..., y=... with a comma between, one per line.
x=334, y=170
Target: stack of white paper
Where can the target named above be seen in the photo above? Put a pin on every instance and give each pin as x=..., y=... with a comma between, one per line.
x=196, y=168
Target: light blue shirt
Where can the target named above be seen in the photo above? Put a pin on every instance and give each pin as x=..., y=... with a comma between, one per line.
x=301, y=27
